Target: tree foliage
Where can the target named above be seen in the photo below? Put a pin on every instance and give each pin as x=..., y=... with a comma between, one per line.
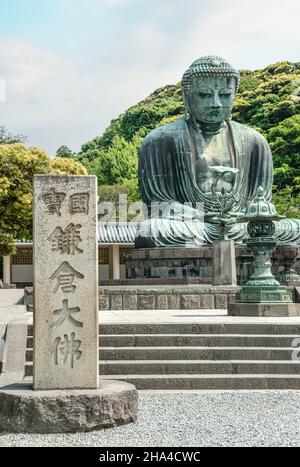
x=268, y=100
x=8, y=138
x=62, y=166
x=64, y=151
x=18, y=164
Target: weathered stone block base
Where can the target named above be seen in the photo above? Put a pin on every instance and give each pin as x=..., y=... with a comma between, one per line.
x=25, y=411
x=264, y=309
x=263, y=294
x=166, y=297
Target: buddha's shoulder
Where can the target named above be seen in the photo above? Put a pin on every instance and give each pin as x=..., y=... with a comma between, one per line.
x=166, y=132
x=247, y=132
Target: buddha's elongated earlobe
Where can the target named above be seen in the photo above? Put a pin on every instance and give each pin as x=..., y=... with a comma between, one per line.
x=187, y=112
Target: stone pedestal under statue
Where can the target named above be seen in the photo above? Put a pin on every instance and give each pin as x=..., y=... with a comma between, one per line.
x=184, y=265
x=170, y=263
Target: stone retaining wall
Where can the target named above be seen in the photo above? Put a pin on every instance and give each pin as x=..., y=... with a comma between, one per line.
x=193, y=297
x=167, y=298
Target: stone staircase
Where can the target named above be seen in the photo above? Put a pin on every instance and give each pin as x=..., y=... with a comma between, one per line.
x=191, y=356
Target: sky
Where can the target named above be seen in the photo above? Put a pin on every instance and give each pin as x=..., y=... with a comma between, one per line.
x=68, y=67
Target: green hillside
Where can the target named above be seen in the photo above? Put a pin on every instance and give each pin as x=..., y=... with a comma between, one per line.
x=268, y=100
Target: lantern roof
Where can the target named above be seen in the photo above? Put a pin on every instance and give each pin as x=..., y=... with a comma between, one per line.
x=260, y=209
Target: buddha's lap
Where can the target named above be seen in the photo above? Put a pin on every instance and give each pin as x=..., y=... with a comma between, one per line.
x=287, y=230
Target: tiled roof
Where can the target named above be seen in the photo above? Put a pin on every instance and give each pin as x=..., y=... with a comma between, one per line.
x=108, y=232
x=117, y=232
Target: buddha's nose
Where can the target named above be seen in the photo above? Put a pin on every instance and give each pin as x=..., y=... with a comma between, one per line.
x=216, y=104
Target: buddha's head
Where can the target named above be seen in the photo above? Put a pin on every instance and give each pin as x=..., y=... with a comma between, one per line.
x=209, y=86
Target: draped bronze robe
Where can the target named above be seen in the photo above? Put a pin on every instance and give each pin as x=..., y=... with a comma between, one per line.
x=167, y=175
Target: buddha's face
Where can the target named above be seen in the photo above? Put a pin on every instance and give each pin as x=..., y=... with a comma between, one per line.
x=210, y=99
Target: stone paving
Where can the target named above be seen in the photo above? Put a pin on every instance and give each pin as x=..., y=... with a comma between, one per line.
x=185, y=316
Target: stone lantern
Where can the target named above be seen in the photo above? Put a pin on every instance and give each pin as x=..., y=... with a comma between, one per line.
x=262, y=295
x=287, y=253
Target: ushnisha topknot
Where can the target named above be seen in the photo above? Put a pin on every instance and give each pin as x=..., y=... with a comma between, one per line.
x=210, y=66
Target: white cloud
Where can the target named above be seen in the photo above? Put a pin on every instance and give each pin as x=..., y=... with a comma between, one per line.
x=2, y=90
x=56, y=100
x=45, y=95
x=94, y=4
x=113, y=3
x=253, y=33
x=61, y=98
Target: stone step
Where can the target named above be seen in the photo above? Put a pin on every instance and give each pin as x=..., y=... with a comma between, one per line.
x=206, y=340
x=201, y=328
x=113, y=367
x=191, y=340
x=29, y=343
x=197, y=328
x=211, y=355
x=195, y=353
x=207, y=382
x=190, y=353
x=192, y=367
x=233, y=382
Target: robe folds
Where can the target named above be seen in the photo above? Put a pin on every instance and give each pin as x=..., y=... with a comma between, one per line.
x=179, y=212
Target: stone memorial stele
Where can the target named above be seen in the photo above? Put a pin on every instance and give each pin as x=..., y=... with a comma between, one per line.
x=65, y=262
x=177, y=166
x=66, y=395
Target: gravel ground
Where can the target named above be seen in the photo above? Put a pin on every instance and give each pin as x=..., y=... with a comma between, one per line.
x=186, y=419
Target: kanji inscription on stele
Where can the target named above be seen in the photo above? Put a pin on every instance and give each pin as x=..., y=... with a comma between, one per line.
x=65, y=282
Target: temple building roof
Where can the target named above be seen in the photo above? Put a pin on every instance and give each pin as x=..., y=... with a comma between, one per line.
x=117, y=232
x=108, y=233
